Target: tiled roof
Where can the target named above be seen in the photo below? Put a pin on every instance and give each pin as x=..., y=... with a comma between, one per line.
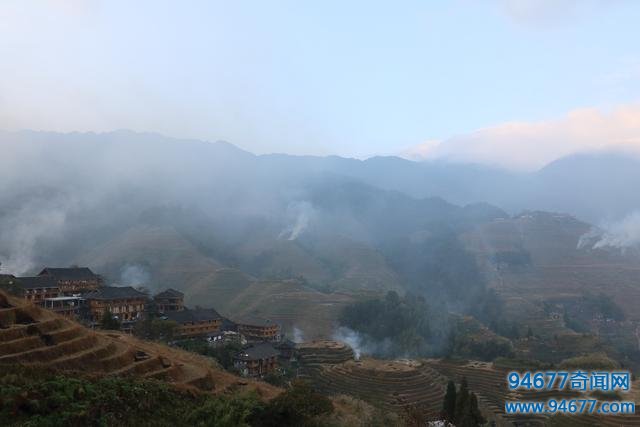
x=114, y=292
x=71, y=273
x=197, y=315
x=36, y=282
x=228, y=325
x=255, y=321
x=170, y=293
x=257, y=352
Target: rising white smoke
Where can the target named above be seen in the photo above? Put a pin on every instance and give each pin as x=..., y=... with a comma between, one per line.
x=351, y=338
x=301, y=214
x=23, y=231
x=134, y=275
x=362, y=344
x=623, y=235
x=298, y=335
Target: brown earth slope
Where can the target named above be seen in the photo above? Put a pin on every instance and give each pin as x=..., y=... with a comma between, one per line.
x=31, y=336
x=563, y=264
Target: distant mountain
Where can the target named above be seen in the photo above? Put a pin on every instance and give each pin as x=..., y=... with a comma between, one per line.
x=596, y=187
x=286, y=236
x=580, y=185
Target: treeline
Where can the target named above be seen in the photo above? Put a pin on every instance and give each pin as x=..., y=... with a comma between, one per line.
x=489, y=308
x=438, y=265
x=222, y=354
x=43, y=398
x=401, y=323
x=460, y=406
x=396, y=326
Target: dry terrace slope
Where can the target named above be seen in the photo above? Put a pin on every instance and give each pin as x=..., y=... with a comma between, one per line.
x=177, y=263
x=289, y=303
x=333, y=260
x=559, y=268
x=394, y=385
x=32, y=336
x=172, y=259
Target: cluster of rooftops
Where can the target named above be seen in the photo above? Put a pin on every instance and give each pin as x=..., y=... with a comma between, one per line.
x=81, y=284
x=79, y=293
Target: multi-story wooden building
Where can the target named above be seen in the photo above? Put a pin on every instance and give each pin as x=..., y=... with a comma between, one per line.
x=66, y=306
x=256, y=360
x=254, y=328
x=193, y=323
x=37, y=289
x=123, y=302
x=169, y=300
x=73, y=280
x=56, y=283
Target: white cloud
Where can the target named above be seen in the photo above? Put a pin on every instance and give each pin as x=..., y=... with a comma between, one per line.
x=531, y=145
x=421, y=151
x=546, y=13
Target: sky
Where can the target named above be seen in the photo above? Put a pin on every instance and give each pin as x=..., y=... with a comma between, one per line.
x=511, y=83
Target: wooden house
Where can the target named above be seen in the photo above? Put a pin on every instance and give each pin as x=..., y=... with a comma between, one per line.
x=256, y=360
x=169, y=300
x=123, y=302
x=72, y=280
x=194, y=323
x=37, y=289
x=254, y=328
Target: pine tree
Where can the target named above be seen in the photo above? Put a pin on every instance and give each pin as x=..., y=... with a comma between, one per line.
x=449, y=403
x=467, y=411
x=474, y=410
x=462, y=400
x=108, y=321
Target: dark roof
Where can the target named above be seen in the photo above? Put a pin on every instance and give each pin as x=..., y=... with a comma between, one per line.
x=257, y=352
x=197, y=315
x=114, y=292
x=72, y=273
x=228, y=325
x=36, y=282
x=255, y=321
x=170, y=293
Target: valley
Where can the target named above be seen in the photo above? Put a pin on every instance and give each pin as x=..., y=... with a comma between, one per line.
x=422, y=290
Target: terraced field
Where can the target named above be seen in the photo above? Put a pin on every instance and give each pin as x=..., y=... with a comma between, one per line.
x=489, y=383
x=313, y=354
x=31, y=336
x=392, y=384
x=395, y=385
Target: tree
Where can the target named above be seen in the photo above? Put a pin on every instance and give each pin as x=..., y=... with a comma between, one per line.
x=449, y=403
x=295, y=407
x=462, y=399
x=227, y=411
x=474, y=410
x=471, y=417
x=466, y=413
x=155, y=329
x=108, y=321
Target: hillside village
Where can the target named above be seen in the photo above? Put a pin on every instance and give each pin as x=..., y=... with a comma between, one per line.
x=78, y=293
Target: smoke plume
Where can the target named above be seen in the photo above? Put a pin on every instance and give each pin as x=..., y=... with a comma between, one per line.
x=301, y=212
x=134, y=275
x=623, y=235
x=298, y=335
